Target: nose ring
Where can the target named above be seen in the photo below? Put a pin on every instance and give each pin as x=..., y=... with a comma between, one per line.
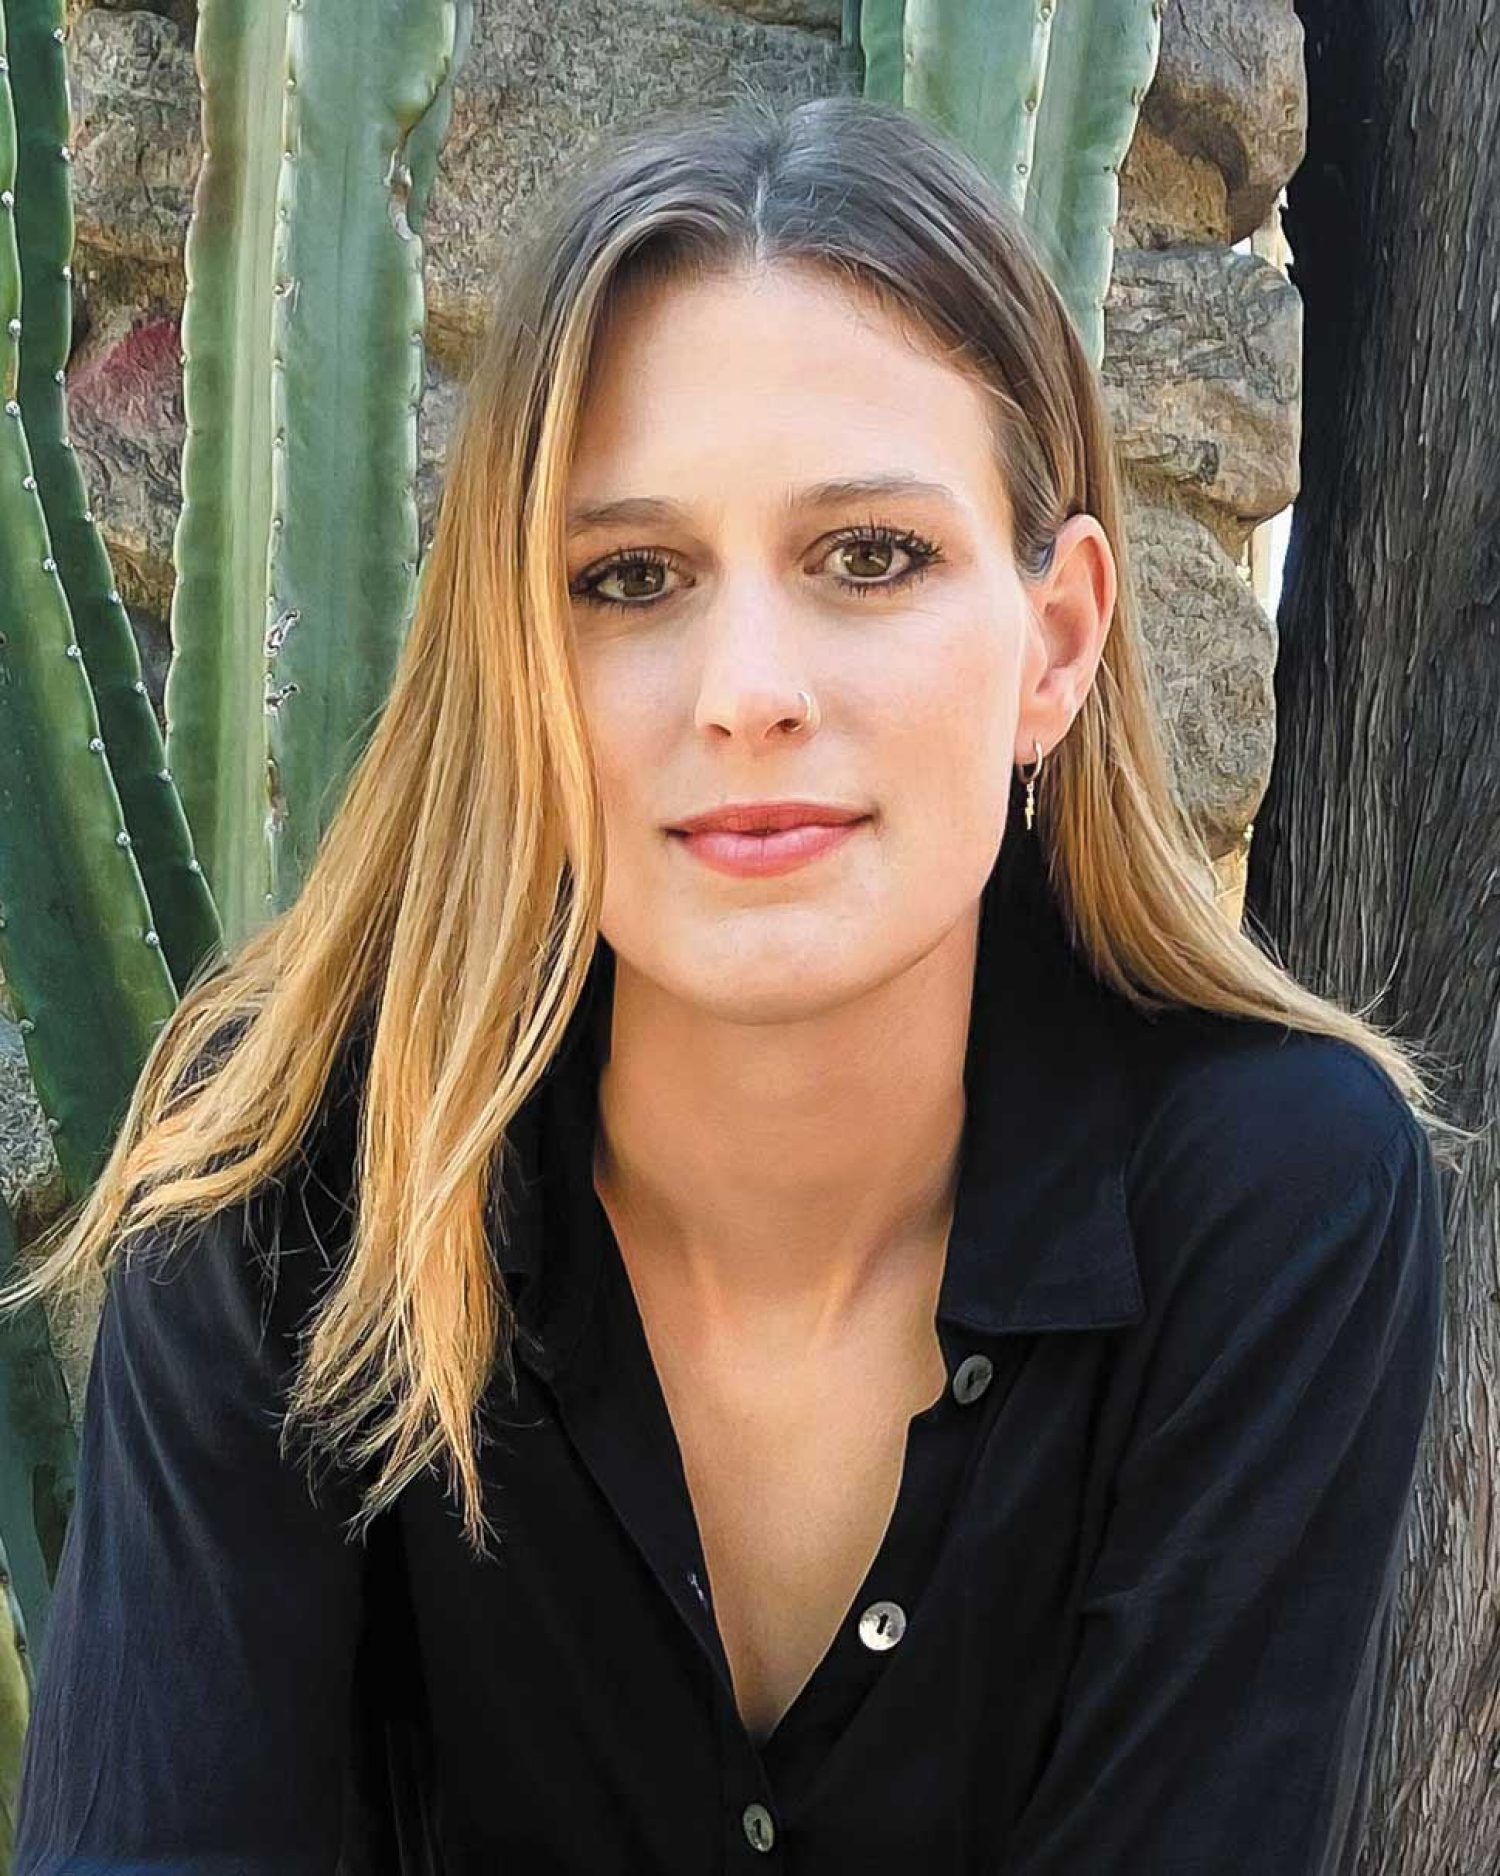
x=809, y=718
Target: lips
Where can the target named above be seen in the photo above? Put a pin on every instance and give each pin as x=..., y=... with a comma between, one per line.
x=757, y=856
x=768, y=818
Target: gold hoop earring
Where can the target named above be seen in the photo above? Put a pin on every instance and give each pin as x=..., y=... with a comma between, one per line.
x=1030, y=781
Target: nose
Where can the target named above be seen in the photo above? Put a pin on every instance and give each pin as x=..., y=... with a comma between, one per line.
x=755, y=668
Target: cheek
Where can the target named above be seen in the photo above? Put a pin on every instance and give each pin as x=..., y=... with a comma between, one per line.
x=953, y=722
x=622, y=719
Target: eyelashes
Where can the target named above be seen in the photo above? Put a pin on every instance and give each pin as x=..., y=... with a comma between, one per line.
x=920, y=553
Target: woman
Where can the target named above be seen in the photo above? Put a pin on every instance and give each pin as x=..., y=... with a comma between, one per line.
x=976, y=1313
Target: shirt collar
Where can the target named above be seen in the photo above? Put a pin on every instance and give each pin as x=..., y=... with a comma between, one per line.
x=1041, y=1237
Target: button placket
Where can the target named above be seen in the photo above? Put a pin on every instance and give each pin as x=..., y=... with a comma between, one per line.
x=943, y=1442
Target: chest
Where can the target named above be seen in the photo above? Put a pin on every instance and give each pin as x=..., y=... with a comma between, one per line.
x=570, y=1678
x=794, y=1475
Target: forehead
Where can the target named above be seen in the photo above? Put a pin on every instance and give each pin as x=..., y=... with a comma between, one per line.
x=776, y=384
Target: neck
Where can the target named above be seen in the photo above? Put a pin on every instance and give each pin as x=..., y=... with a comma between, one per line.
x=789, y=1172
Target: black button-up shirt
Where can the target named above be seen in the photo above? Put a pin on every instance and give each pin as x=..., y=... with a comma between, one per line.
x=1131, y=1614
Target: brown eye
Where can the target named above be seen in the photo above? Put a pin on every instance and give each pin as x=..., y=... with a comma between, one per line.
x=881, y=553
x=627, y=568
x=879, y=544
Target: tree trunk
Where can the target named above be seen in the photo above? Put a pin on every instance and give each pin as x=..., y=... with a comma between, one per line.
x=1375, y=861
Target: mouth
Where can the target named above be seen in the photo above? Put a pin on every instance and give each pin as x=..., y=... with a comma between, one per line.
x=751, y=853
x=769, y=817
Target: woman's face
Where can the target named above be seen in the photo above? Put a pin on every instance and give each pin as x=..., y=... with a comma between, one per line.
x=718, y=409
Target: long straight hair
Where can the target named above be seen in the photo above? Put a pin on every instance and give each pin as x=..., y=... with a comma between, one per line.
x=452, y=907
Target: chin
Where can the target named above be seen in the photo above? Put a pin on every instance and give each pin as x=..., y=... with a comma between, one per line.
x=778, y=984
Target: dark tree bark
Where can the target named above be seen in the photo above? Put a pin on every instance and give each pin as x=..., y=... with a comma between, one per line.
x=1375, y=862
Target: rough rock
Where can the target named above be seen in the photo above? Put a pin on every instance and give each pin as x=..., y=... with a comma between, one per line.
x=1203, y=373
x=1212, y=650
x=1231, y=87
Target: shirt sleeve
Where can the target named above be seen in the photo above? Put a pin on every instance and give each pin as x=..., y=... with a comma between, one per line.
x=192, y=1715
x=1222, y=1705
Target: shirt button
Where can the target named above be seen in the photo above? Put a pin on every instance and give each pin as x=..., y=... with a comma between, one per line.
x=882, y=1625
x=972, y=1377
x=759, y=1827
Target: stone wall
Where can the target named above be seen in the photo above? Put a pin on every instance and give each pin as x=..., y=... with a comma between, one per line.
x=1202, y=365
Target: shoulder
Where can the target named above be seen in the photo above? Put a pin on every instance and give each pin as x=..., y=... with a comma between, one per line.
x=1256, y=1143
x=235, y=1285
x=290, y=1202
x=254, y=1269
x=1255, y=1093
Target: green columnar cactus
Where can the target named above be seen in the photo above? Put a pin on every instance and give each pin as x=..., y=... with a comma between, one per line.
x=38, y=1454
x=183, y=908
x=1045, y=93
x=297, y=546
x=348, y=333
x=216, y=742
x=83, y=962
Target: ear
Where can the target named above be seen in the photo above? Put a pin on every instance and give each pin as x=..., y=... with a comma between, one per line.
x=1072, y=607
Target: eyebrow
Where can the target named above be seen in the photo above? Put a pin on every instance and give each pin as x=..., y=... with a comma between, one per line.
x=644, y=510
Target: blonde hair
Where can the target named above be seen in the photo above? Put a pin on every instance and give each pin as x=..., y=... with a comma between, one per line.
x=452, y=907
